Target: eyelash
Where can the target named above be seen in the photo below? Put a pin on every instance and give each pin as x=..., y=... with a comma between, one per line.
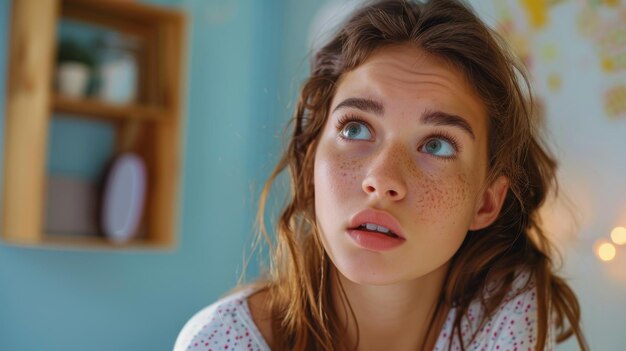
x=345, y=119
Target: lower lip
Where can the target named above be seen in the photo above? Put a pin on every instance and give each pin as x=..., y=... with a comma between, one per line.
x=374, y=241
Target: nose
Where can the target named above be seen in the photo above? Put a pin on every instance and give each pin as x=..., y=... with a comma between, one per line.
x=385, y=178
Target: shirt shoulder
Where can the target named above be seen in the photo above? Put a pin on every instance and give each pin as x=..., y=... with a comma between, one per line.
x=224, y=325
x=512, y=326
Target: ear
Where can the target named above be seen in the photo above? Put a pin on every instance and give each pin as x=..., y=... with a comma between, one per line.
x=490, y=203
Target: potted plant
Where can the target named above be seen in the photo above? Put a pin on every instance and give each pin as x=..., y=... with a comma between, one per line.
x=75, y=62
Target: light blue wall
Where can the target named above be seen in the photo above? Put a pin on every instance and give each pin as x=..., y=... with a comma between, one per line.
x=77, y=300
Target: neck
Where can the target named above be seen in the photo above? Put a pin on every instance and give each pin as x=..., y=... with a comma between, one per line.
x=389, y=317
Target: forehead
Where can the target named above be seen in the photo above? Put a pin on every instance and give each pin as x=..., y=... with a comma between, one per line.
x=405, y=76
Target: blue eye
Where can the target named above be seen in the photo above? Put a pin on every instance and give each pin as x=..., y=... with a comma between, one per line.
x=356, y=131
x=440, y=147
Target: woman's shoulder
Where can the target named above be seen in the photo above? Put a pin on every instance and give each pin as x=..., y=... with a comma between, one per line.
x=513, y=324
x=227, y=324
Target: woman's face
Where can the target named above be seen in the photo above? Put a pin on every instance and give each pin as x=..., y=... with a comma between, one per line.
x=404, y=149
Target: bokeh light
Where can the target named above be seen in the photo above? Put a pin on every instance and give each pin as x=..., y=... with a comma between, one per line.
x=605, y=251
x=618, y=235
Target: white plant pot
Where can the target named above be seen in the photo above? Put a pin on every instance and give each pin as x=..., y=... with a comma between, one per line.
x=72, y=79
x=118, y=79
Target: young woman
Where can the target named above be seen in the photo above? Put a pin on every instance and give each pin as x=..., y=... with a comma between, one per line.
x=416, y=176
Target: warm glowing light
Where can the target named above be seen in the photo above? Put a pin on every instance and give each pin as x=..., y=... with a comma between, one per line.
x=618, y=235
x=606, y=251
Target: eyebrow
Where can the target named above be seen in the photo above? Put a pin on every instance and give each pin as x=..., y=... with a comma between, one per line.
x=440, y=118
x=434, y=117
x=367, y=105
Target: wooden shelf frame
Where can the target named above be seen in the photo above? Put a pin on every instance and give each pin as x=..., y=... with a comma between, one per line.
x=31, y=102
x=101, y=110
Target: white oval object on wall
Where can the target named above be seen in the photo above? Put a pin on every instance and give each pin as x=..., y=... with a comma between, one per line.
x=123, y=198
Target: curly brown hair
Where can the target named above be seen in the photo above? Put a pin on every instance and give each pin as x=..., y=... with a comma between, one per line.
x=298, y=283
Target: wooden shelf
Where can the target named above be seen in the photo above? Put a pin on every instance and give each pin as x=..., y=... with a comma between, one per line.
x=126, y=14
x=88, y=243
x=30, y=102
x=99, y=109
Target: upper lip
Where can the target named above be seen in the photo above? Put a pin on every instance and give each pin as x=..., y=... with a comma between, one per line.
x=377, y=217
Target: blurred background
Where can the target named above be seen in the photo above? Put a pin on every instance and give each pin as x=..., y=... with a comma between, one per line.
x=243, y=62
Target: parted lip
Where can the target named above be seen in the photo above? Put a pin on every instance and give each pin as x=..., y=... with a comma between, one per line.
x=377, y=217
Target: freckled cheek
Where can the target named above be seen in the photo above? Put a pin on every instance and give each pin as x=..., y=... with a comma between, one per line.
x=336, y=176
x=438, y=197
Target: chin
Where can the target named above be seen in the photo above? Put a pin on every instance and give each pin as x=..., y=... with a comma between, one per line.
x=368, y=271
